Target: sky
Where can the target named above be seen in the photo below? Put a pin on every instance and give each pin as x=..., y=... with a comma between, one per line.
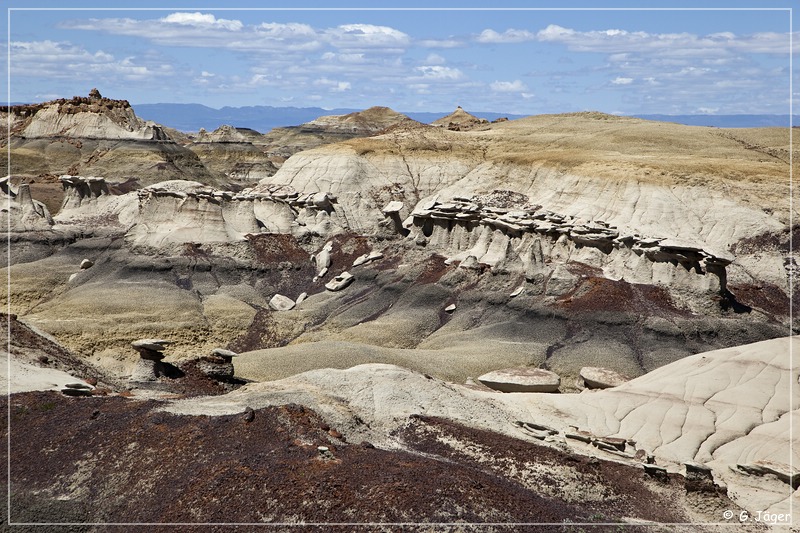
x=515, y=60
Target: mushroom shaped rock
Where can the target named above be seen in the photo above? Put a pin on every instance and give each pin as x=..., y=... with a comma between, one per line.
x=521, y=380
x=392, y=207
x=340, y=282
x=222, y=352
x=279, y=302
x=601, y=378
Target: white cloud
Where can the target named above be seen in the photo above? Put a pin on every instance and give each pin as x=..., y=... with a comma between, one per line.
x=63, y=60
x=622, y=81
x=434, y=59
x=508, y=86
x=616, y=41
x=346, y=59
x=554, y=32
x=441, y=43
x=202, y=20
x=334, y=86
x=508, y=36
x=367, y=36
x=438, y=72
x=291, y=30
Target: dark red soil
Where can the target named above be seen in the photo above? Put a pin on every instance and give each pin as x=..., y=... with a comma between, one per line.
x=598, y=294
x=346, y=248
x=766, y=297
x=260, y=334
x=433, y=269
x=272, y=248
x=118, y=460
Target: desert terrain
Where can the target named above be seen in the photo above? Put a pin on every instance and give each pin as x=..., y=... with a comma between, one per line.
x=364, y=319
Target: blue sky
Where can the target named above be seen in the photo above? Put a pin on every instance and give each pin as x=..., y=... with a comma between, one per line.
x=515, y=61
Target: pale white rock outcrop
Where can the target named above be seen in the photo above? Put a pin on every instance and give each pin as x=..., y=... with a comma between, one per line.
x=19, y=211
x=87, y=200
x=66, y=120
x=540, y=242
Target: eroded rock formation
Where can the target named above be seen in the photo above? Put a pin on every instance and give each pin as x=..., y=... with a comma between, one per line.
x=20, y=212
x=535, y=241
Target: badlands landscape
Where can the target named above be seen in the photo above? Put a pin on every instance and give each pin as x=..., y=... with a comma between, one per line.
x=581, y=320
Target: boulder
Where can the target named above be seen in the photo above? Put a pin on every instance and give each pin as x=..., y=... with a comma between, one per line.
x=366, y=258
x=301, y=298
x=601, y=378
x=86, y=264
x=279, y=302
x=340, y=282
x=321, y=200
x=323, y=259
x=521, y=380
x=450, y=308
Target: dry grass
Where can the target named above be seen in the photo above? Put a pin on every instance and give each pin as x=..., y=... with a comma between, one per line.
x=750, y=163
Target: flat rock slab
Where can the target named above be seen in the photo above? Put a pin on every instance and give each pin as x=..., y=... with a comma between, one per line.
x=393, y=207
x=521, y=380
x=154, y=345
x=279, y=302
x=339, y=282
x=601, y=378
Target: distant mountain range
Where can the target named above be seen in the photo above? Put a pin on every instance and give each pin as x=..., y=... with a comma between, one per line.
x=192, y=117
